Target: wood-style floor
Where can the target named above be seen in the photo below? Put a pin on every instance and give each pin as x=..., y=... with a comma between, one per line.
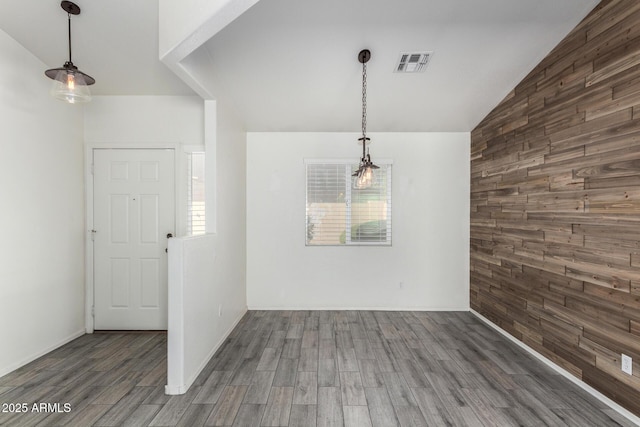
x=309, y=368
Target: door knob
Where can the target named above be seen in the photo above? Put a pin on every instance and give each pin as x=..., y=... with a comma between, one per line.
x=169, y=235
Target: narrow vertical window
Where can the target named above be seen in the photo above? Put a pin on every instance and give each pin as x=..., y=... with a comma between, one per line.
x=195, y=194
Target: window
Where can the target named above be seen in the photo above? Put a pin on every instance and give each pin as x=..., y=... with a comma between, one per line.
x=339, y=214
x=195, y=193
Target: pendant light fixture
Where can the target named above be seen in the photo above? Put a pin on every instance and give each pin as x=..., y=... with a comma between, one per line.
x=69, y=83
x=363, y=177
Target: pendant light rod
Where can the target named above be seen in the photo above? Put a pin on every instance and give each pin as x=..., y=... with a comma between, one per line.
x=72, y=9
x=69, y=21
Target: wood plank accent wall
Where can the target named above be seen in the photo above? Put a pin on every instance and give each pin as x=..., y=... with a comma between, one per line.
x=555, y=205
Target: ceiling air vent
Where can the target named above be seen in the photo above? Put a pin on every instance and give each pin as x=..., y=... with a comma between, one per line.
x=415, y=62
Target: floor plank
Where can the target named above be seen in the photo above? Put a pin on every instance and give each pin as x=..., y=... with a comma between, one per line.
x=278, y=407
x=356, y=416
x=249, y=415
x=306, y=389
x=352, y=390
x=227, y=407
x=380, y=407
x=329, y=407
x=303, y=416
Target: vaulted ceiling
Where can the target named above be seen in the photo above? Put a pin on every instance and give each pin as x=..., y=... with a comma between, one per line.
x=291, y=65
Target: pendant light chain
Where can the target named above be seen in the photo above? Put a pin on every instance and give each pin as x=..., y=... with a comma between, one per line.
x=364, y=104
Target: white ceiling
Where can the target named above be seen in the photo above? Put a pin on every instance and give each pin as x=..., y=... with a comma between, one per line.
x=291, y=65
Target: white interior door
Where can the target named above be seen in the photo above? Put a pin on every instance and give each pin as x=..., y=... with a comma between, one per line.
x=134, y=210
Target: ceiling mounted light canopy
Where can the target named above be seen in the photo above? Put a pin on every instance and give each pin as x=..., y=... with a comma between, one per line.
x=69, y=83
x=363, y=177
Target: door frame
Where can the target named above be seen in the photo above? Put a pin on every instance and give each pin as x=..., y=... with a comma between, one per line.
x=89, y=196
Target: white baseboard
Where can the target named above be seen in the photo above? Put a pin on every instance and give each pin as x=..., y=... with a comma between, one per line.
x=173, y=390
x=586, y=387
x=31, y=358
x=316, y=308
x=183, y=388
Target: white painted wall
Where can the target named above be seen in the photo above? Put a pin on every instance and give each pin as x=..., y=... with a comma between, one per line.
x=196, y=328
x=41, y=199
x=229, y=183
x=144, y=120
x=430, y=248
x=207, y=291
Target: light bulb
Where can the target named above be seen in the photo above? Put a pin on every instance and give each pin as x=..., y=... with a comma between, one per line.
x=368, y=174
x=71, y=81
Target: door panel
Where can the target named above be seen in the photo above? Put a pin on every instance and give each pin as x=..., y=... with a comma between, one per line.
x=134, y=209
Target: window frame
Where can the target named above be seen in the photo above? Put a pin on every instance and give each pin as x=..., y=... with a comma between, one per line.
x=189, y=226
x=388, y=242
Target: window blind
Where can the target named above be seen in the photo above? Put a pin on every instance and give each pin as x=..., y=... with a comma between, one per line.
x=339, y=214
x=195, y=194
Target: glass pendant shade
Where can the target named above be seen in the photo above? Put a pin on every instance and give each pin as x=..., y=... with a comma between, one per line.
x=70, y=85
x=364, y=179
